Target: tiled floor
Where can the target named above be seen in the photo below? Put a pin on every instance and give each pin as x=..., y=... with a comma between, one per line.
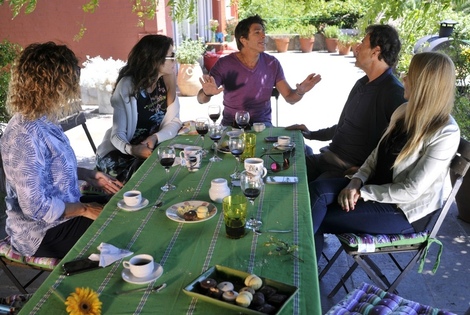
x=320, y=108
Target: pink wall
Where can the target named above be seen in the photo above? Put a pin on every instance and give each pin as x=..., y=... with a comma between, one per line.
x=111, y=30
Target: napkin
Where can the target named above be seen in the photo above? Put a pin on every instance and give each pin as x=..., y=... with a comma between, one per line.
x=109, y=254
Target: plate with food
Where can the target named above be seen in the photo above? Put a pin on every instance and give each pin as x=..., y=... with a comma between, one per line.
x=193, y=211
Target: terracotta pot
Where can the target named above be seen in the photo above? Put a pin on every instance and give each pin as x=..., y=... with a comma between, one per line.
x=331, y=44
x=282, y=44
x=344, y=49
x=306, y=44
x=188, y=79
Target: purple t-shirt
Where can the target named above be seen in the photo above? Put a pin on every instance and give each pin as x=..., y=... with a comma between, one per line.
x=247, y=89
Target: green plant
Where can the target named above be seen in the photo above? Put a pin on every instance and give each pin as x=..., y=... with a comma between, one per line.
x=230, y=26
x=190, y=51
x=331, y=31
x=8, y=53
x=306, y=31
x=345, y=39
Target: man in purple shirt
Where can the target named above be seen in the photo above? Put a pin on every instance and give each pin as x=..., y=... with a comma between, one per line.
x=248, y=77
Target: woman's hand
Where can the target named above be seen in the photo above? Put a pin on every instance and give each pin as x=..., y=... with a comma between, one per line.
x=208, y=85
x=142, y=150
x=92, y=210
x=108, y=183
x=348, y=197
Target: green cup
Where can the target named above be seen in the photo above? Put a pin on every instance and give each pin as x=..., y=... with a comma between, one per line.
x=250, y=146
x=235, y=211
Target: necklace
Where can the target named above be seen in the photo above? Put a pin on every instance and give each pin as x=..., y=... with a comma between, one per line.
x=246, y=63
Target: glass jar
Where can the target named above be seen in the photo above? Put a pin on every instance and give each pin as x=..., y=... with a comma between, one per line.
x=219, y=189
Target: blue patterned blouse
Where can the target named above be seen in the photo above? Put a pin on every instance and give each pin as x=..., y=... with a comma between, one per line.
x=41, y=176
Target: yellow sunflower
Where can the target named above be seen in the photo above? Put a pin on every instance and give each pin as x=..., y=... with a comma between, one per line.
x=84, y=301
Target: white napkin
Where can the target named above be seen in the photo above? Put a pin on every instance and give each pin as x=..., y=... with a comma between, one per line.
x=109, y=254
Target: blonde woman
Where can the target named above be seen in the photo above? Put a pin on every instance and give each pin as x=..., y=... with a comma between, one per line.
x=45, y=215
x=400, y=185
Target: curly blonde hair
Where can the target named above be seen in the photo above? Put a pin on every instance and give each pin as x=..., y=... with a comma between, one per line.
x=44, y=82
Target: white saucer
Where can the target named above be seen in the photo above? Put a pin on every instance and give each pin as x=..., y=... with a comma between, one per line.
x=289, y=146
x=129, y=277
x=122, y=205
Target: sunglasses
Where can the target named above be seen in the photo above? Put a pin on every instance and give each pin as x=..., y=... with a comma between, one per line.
x=277, y=166
x=171, y=57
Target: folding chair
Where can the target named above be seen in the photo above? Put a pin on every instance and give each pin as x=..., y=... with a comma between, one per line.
x=275, y=94
x=75, y=120
x=362, y=247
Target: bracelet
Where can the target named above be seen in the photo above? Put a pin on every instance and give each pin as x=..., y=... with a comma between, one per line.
x=208, y=95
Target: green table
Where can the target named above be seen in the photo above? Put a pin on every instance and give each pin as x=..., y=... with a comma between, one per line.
x=187, y=250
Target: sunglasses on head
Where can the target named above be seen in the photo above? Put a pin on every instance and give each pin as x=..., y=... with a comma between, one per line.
x=277, y=166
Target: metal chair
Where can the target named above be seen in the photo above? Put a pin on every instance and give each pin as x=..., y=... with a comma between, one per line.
x=417, y=243
x=75, y=120
x=275, y=94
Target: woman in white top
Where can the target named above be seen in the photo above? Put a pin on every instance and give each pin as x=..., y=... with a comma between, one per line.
x=146, y=109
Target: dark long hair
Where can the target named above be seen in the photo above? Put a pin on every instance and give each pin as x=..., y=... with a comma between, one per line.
x=145, y=59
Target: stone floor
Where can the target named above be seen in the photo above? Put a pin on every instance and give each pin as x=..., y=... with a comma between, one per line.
x=447, y=289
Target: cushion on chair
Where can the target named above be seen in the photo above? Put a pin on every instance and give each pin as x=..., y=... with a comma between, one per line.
x=368, y=299
x=7, y=251
x=368, y=242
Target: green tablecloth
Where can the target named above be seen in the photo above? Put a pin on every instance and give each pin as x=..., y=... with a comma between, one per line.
x=187, y=250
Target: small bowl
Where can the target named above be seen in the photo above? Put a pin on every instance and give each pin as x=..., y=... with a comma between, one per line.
x=258, y=127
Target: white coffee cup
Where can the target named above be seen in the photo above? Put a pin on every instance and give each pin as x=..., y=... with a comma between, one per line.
x=132, y=198
x=191, y=157
x=283, y=140
x=259, y=126
x=255, y=166
x=140, y=265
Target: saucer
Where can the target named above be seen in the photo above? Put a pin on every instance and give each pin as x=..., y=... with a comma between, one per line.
x=129, y=277
x=122, y=205
x=284, y=147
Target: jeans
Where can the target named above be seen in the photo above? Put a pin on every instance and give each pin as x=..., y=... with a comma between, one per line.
x=367, y=217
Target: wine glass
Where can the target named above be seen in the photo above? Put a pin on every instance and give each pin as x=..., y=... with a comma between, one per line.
x=215, y=133
x=202, y=128
x=214, y=112
x=167, y=156
x=242, y=118
x=251, y=186
x=236, y=146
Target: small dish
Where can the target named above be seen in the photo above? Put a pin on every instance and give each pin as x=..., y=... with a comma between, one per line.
x=129, y=277
x=122, y=205
x=173, y=214
x=284, y=147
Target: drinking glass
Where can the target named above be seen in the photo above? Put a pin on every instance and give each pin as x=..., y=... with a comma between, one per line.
x=167, y=156
x=251, y=187
x=214, y=112
x=215, y=133
x=242, y=119
x=202, y=128
x=236, y=146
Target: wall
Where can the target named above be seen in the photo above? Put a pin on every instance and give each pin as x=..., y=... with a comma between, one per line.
x=111, y=30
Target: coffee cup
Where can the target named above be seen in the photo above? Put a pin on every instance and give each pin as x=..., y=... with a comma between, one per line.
x=283, y=140
x=255, y=166
x=259, y=126
x=191, y=157
x=140, y=265
x=132, y=198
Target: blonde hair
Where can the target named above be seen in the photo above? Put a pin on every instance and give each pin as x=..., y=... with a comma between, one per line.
x=431, y=90
x=44, y=82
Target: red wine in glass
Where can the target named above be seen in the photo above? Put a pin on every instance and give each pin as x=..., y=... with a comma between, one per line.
x=252, y=193
x=214, y=117
x=214, y=112
x=167, y=162
x=215, y=137
x=202, y=130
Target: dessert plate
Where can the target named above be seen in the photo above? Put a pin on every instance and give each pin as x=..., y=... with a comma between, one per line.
x=122, y=205
x=129, y=277
x=176, y=212
x=284, y=147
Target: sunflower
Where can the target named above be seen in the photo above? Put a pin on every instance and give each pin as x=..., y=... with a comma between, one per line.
x=84, y=301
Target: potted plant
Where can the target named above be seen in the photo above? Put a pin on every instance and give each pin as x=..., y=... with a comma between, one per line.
x=187, y=54
x=230, y=29
x=355, y=41
x=281, y=35
x=344, y=44
x=331, y=33
x=306, y=37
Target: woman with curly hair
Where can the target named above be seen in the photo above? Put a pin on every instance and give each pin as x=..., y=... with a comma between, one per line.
x=146, y=109
x=44, y=214
x=399, y=188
